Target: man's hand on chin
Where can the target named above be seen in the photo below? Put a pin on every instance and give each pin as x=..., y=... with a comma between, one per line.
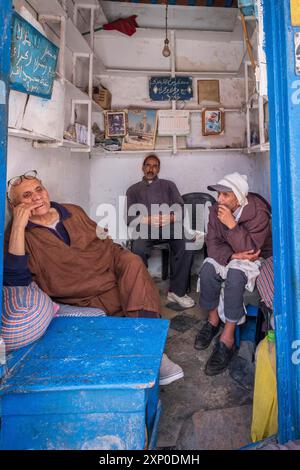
x=247, y=255
x=225, y=216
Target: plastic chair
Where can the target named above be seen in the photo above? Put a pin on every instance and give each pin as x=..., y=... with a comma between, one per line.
x=203, y=200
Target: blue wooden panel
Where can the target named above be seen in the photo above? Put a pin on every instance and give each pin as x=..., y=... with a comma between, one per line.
x=170, y=88
x=87, y=383
x=33, y=60
x=74, y=401
x=284, y=105
x=85, y=431
x=5, y=41
x=104, y=352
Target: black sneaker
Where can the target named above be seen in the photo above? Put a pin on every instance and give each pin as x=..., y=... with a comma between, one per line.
x=205, y=336
x=219, y=359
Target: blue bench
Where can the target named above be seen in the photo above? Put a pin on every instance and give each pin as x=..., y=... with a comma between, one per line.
x=88, y=383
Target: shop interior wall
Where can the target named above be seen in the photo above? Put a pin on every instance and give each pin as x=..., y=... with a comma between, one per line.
x=112, y=175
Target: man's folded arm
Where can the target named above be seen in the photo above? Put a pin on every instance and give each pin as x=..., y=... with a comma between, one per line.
x=241, y=239
x=216, y=248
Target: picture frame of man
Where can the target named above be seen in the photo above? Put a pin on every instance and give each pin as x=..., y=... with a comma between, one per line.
x=115, y=123
x=213, y=121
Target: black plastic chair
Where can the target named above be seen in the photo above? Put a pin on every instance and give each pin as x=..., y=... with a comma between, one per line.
x=195, y=200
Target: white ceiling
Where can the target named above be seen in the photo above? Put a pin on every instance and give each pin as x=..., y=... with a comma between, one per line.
x=179, y=17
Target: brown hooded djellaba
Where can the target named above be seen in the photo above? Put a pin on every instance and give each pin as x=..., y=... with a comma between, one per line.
x=90, y=272
x=252, y=232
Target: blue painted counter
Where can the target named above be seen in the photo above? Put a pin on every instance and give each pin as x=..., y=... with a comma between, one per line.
x=88, y=383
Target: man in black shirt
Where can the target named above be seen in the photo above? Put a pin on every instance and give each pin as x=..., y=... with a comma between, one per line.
x=154, y=214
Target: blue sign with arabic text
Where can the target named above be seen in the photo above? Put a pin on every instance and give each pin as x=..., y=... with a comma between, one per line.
x=33, y=60
x=170, y=88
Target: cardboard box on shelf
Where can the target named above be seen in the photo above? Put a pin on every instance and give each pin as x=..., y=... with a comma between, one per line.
x=102, y=96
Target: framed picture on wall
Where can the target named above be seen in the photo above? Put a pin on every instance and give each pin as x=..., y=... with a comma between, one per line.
x=115, y=123
x=142, y=124
x=213, y=121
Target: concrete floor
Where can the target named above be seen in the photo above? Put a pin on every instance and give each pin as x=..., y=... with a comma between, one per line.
x=199, y=412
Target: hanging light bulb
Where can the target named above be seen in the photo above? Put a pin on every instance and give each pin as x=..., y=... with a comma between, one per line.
x=166, y=50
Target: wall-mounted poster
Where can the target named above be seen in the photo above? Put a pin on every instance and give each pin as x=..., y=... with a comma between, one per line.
x=33, y=60
x=213, y=121
x=169, y=88
x=115, y=123
x=173, y=122
x=141, y=133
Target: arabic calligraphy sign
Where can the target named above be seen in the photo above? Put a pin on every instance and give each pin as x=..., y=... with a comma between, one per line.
x=170, y=88
x=33, y=60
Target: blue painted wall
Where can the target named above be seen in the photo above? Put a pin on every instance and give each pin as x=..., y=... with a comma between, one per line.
x=284, y=102
x=5, y=36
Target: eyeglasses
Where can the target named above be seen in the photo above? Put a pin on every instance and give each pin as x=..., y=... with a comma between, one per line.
x=16, y=180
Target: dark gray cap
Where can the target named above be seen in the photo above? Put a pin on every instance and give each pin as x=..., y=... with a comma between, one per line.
x=220, y=188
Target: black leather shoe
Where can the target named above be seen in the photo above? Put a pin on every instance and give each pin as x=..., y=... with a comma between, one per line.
x=219, y=359
x=205, y=336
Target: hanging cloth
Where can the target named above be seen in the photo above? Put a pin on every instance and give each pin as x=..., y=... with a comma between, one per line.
x=124, y=25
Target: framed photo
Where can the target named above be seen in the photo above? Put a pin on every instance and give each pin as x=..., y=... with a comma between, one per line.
x=142, y=125
x=115, y=123
x=213, y=121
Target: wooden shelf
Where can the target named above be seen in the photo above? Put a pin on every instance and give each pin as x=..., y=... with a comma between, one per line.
x=74, y=39
x=259, y=148
x=75, y=145
x=106, y=153
x=87, y=3
x=48, y=7
x=76, y=93
x=24, y=134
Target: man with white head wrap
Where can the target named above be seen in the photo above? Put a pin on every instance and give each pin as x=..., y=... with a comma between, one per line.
x=239, y=232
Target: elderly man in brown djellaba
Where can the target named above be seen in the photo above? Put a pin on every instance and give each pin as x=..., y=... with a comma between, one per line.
x=69, y=257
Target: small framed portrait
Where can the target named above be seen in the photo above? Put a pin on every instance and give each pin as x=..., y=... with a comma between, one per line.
x=115, y=123
x=213, y=121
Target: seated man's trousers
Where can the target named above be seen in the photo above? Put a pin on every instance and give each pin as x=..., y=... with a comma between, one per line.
x=234, y=287
x=181, y=261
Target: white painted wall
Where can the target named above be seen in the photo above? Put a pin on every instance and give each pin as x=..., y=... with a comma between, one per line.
x=262, y=171
x=65, y=174
x=110, y=177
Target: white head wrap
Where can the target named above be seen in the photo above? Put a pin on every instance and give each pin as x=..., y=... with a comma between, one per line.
x=238, y=184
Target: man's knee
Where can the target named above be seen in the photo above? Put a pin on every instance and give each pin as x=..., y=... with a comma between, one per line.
x=207, y=271
x=236, y=277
